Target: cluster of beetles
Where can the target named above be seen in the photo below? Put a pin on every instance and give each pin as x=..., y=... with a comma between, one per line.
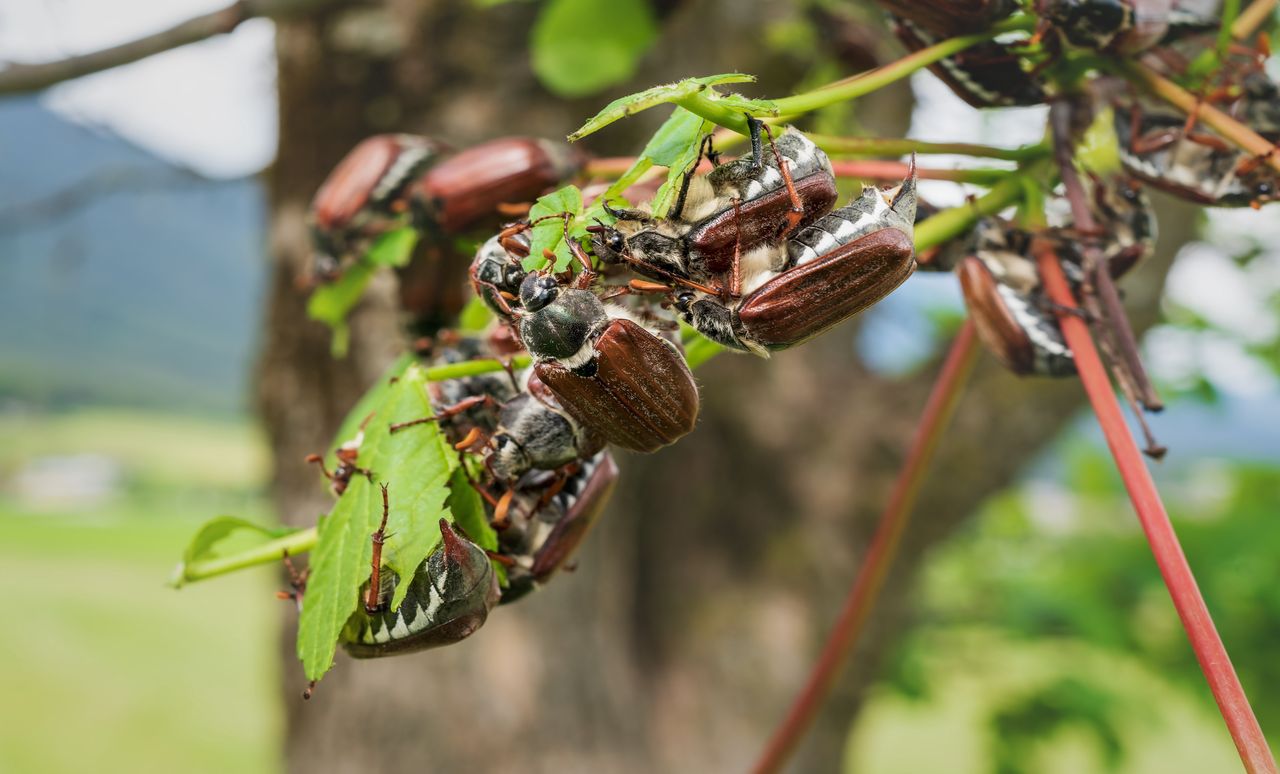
x=753, y=255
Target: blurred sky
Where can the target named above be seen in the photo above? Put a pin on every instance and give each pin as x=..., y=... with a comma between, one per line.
x=211, y=106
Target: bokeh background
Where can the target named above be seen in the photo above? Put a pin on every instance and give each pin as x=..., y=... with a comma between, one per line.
x=157, y=369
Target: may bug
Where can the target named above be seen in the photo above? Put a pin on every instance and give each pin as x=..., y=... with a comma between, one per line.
x=988, y=74
x=366, y=195
x=467, y=188
x=549, y=518
x=1157, y=147
x=1013, y=317
x=1002, y=288
x=732, y=210
x=833, y=269
x=608, y=370
x=449, y=598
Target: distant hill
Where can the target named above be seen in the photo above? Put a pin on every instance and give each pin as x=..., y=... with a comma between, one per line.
x=126, y=280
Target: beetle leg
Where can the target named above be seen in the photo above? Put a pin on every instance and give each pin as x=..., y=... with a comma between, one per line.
x=704, y=148
x=319, y=460
x=1247, y=166
x=757, y=147
x=297, y=582
x=1117, y=325
x=373, y=600
x=501, y=510
x=471, y=439
x=463, y=405
x=506, y=238
x=796, y=214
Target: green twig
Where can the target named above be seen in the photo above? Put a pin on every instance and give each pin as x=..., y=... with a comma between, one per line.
x=292, y=544
x=877, y=146
x=707, y=104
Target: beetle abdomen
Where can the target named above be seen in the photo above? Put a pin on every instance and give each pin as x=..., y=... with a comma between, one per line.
x=1021, y=334
x=449, y=598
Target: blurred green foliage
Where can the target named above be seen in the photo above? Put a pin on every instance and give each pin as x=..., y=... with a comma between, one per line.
x=1063, y=561
x=581, y=47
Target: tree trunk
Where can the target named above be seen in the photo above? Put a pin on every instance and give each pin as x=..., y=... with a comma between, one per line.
x=701, y=599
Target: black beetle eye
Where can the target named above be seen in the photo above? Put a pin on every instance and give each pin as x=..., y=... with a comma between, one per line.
x=616, y=242
x=537, y=291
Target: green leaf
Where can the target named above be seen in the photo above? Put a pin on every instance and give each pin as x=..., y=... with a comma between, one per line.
x=374, y=397
x=331, y=303
x=658, y=95
x=580, y=47
x=394, y=248
x=213, y=534
x=416, y=464
x=475, y=316
x=675, y=146
x=549, y=233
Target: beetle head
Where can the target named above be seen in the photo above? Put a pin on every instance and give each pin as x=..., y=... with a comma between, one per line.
x=537, y=291
x=508, y=460
x=608, y=244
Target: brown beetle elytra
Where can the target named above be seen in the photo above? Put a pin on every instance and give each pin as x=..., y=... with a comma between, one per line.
x=829, y=272
x=641, y=395
x=468, y=187
x=727, y=212
x=366, y=195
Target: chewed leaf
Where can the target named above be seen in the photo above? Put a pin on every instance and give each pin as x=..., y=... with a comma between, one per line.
x=548, y=231
x=415, y=463
x=212, y=536
x=652, y=97
x=331, y=303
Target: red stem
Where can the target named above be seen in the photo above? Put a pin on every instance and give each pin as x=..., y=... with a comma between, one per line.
x=1205, y=641
x=880, y=554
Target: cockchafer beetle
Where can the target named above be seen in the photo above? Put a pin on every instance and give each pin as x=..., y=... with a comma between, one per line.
x=738, y=207
x=497, y=271
x=1002, y=287
x=449, y=598
x=612, y=373
x=365, y=196
x=548, y=519
x=533, y=431
x=467, y=188
x=1122, y=26
x=824, y=275
x=1157, y=147
x=1009, y=309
